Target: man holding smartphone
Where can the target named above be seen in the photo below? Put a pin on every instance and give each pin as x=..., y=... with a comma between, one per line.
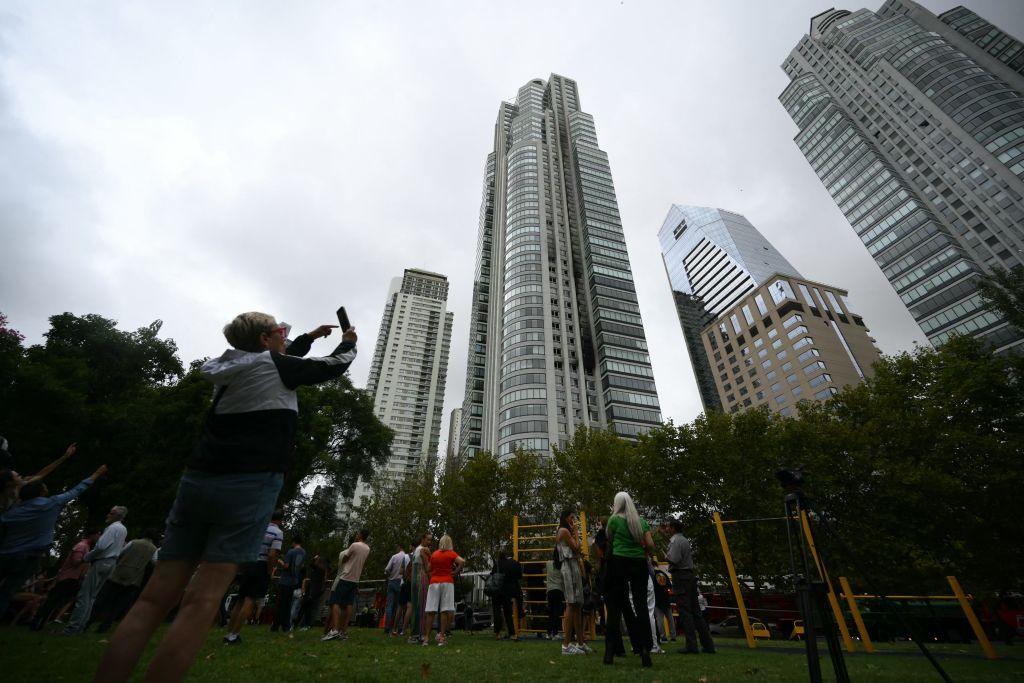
x=228, y=491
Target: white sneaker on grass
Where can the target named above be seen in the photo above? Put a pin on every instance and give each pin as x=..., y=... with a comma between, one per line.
x=332, y=635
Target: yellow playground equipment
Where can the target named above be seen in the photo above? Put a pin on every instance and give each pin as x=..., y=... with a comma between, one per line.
x=532, y=545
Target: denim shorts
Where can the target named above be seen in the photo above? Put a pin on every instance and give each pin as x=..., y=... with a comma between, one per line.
x=220, y=517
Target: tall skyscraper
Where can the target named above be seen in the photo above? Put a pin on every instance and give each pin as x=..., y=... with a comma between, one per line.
x=713, y=259
x=409, y=370
x=453, y=459
x=915, y=125
x=556, y=339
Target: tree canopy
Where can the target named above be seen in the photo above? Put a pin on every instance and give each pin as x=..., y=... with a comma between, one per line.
x=128, y=401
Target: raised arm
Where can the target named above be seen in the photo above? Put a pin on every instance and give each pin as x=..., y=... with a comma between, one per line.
x=53, y=465
x=567, y=536
x=72, y=493
x=296, y=372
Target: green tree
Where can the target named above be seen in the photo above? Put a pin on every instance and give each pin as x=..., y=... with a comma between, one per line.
x=1003, y=293
x=127, y=401
x=395, y=513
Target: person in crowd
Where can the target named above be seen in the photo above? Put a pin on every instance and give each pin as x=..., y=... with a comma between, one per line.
x=554, y=585
x=228, y=490
x=652, y=609
x=393, y=573
x=69, y=578
x=468, y=617
x=124, y=583
x=346, y=586
x=419, y=577
x=289, y=578
x=444, y=564
x=102, y=559
x=567, y=557
x=404, y=596
x=11, y=482
x=254, y=579
x=663, y=605
x=629, y=541
x=503, y=603
x=28, y=530
x=27, y=600
x=312, y=591
x=684, y=585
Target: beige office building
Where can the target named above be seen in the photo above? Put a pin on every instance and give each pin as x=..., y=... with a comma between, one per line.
x=787, y=341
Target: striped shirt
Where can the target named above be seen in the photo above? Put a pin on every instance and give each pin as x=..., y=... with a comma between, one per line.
x=273, y=538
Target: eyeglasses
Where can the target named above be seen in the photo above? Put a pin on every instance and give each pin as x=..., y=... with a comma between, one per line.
x=283, y=329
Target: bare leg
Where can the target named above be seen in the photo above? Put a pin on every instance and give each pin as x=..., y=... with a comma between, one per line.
x=578, y=618
x=429, y=625
x=177, y=650
x=408, y=620
x=161, y=594
x=567, y=626
x=345, y=618
x=446, y=621
x=239, y=613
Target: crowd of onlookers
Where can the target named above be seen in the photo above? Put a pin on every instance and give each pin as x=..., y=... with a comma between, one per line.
x=223, y=540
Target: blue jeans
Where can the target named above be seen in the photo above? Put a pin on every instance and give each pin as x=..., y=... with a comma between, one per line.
x=394, y=590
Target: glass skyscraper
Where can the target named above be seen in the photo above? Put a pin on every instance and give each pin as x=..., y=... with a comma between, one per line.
x=713, y=259
x=556, y=339
x=409, y=371
x=915, y=125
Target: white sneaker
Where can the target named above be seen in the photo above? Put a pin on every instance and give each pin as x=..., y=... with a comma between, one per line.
x=571, y=649
x=584, y=649
x=332, y=635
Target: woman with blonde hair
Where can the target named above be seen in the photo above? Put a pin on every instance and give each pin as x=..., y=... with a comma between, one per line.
x=629, y=541
x=444, y=564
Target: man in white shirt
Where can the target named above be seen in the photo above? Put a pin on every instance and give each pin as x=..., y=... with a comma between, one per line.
x=346, y=586
x=393, y=573
x=102, y=559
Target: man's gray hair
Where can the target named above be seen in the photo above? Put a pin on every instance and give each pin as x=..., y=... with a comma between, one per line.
x=121, y=511
x=244, y=331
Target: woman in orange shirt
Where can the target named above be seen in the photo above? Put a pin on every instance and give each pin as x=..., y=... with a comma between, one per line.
x=444, y=563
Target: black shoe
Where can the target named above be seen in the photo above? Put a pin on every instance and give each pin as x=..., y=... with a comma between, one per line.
x=645, y=659
x=609, y=658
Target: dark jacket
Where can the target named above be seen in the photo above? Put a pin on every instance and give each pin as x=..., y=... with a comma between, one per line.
x=512, y=572
x=251, y=426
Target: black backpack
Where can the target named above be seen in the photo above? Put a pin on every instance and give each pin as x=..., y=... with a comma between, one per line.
x=494, y=586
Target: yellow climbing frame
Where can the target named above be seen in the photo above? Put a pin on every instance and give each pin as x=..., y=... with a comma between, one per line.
x=532, y=545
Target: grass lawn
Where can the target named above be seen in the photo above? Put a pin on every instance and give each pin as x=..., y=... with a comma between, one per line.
x=369, y=656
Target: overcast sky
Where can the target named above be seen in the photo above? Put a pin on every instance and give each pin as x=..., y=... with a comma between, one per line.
x=189, y=161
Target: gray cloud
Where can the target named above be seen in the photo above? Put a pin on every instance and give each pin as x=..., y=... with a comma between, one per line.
x=187, y=162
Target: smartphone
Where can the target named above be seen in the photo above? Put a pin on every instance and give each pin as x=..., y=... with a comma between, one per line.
x=343, y=319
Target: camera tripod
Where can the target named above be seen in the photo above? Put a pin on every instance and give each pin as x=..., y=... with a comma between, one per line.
x=811, y=595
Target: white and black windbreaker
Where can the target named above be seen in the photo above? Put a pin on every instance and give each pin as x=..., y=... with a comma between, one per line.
x=251, y=425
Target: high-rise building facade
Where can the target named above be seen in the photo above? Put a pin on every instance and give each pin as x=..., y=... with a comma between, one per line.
x=917, y=132
x=452, y=459
x=713, y=258
x=556, y=338
x=785, y=341
x=409, y=370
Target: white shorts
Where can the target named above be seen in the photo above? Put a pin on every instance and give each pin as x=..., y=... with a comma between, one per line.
x=440, y=597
